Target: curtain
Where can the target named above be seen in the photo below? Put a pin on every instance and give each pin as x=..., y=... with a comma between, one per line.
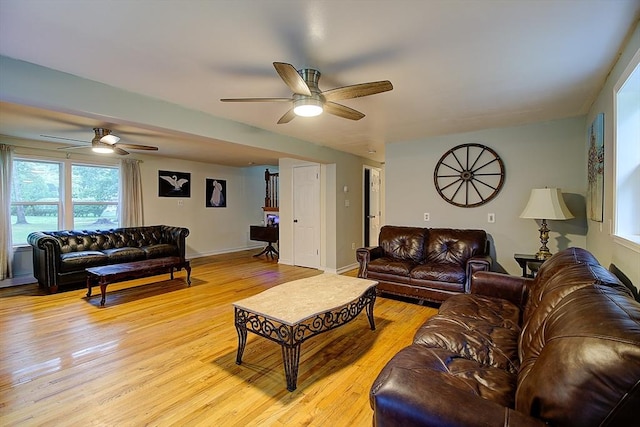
x=130, y=194
x=6, y=246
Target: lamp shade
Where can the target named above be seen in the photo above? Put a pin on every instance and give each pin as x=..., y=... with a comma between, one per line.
x=546, y=203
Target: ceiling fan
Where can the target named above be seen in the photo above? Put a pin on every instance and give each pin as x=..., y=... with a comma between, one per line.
x=308, y=100
x=105, y=142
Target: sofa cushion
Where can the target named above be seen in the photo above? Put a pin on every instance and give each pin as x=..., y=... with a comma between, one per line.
x=451, y=273
x=160, y=250
x=451, y=246
x=443, y=366
x=406, y=243
x=391, y=266
x=74, y=261
x=477, y=328
x=126, y=254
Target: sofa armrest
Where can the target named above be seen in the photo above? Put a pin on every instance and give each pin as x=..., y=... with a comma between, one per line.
x=46, y=259
x=511, y=288
x=365, y=255
x=474, y=264
x=177, y=236
x=420, y=397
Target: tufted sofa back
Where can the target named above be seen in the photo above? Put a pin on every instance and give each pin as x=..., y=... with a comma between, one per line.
x=454, y=247
x=572, y=348
x=98, y=240
x=403, y=242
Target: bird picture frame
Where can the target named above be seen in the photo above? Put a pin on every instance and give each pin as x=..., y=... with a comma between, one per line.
x=174, y=184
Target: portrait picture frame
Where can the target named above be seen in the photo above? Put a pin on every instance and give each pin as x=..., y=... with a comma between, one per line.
x=215, y=193
x=174, y=184
x=595, y=169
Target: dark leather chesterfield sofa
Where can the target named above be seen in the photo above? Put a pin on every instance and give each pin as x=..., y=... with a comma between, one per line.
x=60, y=257
x=424, y=263
x=562, y=349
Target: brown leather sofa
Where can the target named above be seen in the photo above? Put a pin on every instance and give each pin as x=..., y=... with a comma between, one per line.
x=562, y=349
x=424, y=263
x=61, y=257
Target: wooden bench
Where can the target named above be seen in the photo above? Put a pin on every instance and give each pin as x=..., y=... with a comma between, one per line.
x=107, y=274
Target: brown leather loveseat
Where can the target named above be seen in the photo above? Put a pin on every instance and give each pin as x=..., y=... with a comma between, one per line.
x=562, y=349
x=61, y=257
x=424, y=263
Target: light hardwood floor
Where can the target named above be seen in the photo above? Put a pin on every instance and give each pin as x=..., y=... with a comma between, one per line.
x=161, y=353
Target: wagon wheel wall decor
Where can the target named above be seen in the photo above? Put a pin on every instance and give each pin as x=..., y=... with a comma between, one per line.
x=469, y=175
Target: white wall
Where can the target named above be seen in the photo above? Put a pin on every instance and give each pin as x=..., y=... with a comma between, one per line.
x=549, y=154
x=599, y=239
x=213, y=230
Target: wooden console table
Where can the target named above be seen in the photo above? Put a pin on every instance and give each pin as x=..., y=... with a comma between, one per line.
x=265, y=234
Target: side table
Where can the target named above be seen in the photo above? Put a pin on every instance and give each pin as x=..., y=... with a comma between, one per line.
x=528, y=261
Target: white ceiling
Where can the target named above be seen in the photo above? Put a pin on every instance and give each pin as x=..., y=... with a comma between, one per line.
x=456, y=65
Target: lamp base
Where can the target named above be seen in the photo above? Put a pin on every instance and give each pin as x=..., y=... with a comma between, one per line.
x=542, y=255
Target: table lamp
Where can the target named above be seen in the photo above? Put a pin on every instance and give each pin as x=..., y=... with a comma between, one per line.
x=544, y=204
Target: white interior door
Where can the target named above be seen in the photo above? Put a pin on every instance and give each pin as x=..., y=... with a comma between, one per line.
x=306, y=216
x=374, y=207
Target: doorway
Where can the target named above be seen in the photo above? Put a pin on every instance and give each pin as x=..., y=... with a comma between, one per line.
x=371, y=206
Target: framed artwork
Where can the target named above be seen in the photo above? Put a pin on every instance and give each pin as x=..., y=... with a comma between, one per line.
x=595, y=170
x=174, y=184
x=216, y=193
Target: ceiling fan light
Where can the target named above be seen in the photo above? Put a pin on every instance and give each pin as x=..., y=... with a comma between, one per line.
x=101, y=147
x=307, y=107
x=110, y=139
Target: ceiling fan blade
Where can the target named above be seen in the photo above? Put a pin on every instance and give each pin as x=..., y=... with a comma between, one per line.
x=356, y=91
x=255, y=99
x=342, y=111
x=287, y=117
x=73, y=147
x=120, y=151
x=291, y=77
x=64, y=139
x=137, y=147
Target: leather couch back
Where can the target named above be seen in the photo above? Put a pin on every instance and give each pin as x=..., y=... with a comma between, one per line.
x=98, y=240
x=454, y=247
x=403, y=242
x=580, y=345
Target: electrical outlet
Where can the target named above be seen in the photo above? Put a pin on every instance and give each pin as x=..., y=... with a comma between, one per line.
x=427, y=217
x=346, y=203
x=353, y=246
x=180, y=203
x=491, y=218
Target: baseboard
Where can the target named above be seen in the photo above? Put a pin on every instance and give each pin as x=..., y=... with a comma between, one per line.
x=17, y=281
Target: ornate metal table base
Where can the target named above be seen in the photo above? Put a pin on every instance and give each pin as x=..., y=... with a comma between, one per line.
x=290, y=337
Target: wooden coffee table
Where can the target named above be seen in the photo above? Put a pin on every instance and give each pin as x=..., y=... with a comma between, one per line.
x=293, y=312
x=133, y=270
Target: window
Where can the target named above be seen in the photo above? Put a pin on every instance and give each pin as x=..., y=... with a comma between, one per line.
x=627, y=155
x=55, y=195
x=94, y=192
x=36, y=202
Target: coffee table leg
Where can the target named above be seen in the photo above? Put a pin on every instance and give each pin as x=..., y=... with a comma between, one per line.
x=103, y=291
x=88, y=286
x=241, y=327
x=369, y=309
x=291, y=359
